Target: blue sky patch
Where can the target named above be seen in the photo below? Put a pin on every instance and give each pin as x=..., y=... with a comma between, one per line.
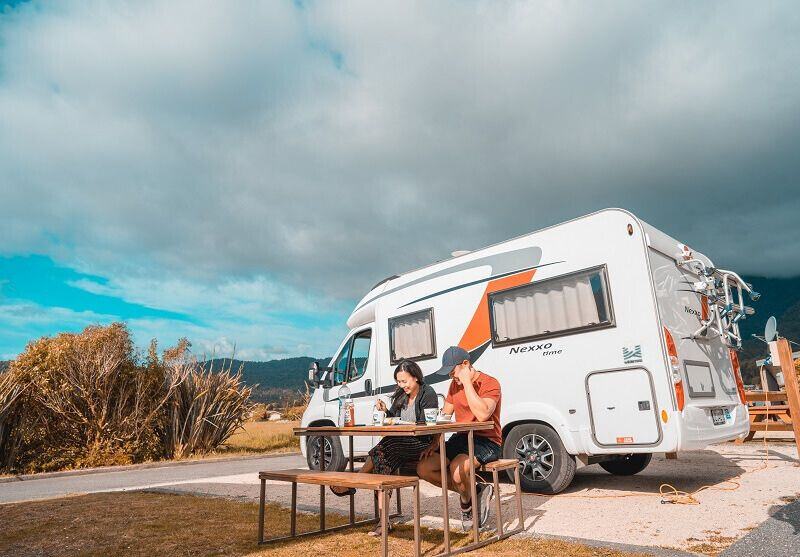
x=37, y=279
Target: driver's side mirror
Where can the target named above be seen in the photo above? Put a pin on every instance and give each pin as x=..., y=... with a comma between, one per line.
x=314, y=374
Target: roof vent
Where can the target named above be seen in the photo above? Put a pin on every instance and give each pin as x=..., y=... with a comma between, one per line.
x=460, y=252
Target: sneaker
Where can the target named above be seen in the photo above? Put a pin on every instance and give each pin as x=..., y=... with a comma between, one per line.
x=378, y=531
x=485, y=493
x=466, y=516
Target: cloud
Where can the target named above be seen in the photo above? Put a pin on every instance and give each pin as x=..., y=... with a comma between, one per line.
x=254, y=319
x=22, y=321
x=325, y=146
x=259, y=336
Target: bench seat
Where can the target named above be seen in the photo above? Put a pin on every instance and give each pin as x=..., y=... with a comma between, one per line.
x=356, y=480
x=381, y=484
x=502, y=464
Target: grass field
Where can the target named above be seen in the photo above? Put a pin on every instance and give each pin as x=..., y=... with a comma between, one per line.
x=144, y=524
x=262, y=437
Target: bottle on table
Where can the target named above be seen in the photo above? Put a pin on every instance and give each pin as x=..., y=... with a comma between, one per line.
x=346, y=408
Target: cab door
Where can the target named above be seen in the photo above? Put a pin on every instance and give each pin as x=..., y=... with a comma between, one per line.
x=355, y=365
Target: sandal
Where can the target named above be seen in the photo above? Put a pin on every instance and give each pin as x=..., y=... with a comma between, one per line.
x=345, y=493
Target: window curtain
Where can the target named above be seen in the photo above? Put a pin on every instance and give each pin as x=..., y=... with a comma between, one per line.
x=555, y=305
x=412, y=336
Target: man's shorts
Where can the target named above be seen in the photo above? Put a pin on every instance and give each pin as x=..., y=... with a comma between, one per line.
x=485, y=449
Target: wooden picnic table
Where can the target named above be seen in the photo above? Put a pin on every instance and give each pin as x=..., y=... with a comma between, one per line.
x=419, y=430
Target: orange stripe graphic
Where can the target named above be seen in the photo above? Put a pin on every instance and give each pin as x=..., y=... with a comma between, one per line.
x=477, y=331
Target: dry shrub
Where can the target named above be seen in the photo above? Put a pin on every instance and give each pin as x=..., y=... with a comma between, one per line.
x=293, y=410
x=206, y=406
x=11, y=391
x=88, y=399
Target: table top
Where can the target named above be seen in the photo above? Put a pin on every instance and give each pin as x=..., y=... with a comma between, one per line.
x=406, y=430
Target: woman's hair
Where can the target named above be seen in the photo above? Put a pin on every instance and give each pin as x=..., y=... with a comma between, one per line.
x=412, y=369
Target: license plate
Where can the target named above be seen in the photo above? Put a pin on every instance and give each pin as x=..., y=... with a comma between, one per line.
x=718, y=416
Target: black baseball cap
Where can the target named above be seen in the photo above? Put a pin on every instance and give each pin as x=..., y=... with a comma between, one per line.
x=451, y=358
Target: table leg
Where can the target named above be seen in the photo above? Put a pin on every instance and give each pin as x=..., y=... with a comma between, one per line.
x=519, y=498
x=352, y=495
x=445, y=506
x=385, y=523
x=498, y=507
x=261, y=511
x=476, y=512
x=293, y=524
x=399, y=506
x=322, y=487
x=417, y=547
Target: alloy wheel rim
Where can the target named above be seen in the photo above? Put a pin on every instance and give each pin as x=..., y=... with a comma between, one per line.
x=535, y=457
x=328, y=452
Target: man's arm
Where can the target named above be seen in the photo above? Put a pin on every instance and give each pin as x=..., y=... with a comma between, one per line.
x=448, y=408
x=481, y=407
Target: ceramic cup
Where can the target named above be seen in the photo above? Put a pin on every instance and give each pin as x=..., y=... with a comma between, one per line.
x=430, y=415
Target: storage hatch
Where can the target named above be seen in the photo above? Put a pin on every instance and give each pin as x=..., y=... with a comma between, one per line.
x=623, y=408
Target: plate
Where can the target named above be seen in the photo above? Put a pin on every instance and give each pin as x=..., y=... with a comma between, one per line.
x=395, y=421
x=718, y=416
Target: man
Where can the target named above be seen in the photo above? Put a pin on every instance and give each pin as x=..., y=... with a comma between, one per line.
x=473, y=396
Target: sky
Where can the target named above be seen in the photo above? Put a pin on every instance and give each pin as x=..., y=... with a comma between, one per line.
x=241, y=173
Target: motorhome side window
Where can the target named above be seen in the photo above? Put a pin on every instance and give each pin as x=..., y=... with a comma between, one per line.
x=567, y=304
x=351, y=363
x=358, y=361
x=411, y=336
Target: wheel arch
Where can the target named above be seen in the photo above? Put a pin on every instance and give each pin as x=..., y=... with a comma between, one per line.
x=544, y=415
x=304, y=439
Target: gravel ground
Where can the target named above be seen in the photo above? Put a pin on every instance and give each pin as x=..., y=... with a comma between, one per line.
x=602, y=507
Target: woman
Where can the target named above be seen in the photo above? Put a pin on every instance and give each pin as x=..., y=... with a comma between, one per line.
x=409, y=402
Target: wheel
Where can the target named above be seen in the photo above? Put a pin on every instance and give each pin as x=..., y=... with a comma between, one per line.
x=335, y=460
x=628, y=465
x=544, y=464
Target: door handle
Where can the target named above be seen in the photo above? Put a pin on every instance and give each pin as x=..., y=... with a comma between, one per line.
x=610, y=407
x=368, y=387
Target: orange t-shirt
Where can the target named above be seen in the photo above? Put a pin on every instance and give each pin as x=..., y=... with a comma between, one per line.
x=487, y=387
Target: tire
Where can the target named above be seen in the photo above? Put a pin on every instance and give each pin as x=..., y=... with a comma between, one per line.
x=628, y=465
x=542, y=470
x=335, y=460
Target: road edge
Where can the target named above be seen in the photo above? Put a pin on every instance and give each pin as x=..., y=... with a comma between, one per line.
x=141, y=466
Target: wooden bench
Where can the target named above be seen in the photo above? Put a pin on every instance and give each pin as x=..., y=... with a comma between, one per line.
x=379, y=483
x=495, y=468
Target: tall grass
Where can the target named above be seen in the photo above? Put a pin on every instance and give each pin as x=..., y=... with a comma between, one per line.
x=205, y=408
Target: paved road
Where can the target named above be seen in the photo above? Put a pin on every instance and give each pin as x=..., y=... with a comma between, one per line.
x=778, y=536
x=125, y=480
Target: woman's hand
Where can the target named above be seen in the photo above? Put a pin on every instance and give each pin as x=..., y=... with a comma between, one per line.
x=380, y=405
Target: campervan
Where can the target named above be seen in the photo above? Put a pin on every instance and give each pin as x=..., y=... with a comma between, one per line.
x=610, y=339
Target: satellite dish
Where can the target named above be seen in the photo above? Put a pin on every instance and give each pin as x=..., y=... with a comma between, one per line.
x=771, y=329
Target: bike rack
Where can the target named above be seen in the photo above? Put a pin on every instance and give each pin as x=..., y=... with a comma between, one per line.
x=722, y=293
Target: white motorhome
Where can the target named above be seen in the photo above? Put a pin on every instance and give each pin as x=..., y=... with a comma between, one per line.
x=610, y=339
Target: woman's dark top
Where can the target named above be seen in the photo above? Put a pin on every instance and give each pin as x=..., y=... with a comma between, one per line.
x=426, y=398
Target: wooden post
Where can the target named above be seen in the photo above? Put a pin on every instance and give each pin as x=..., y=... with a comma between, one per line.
x=790, y=381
